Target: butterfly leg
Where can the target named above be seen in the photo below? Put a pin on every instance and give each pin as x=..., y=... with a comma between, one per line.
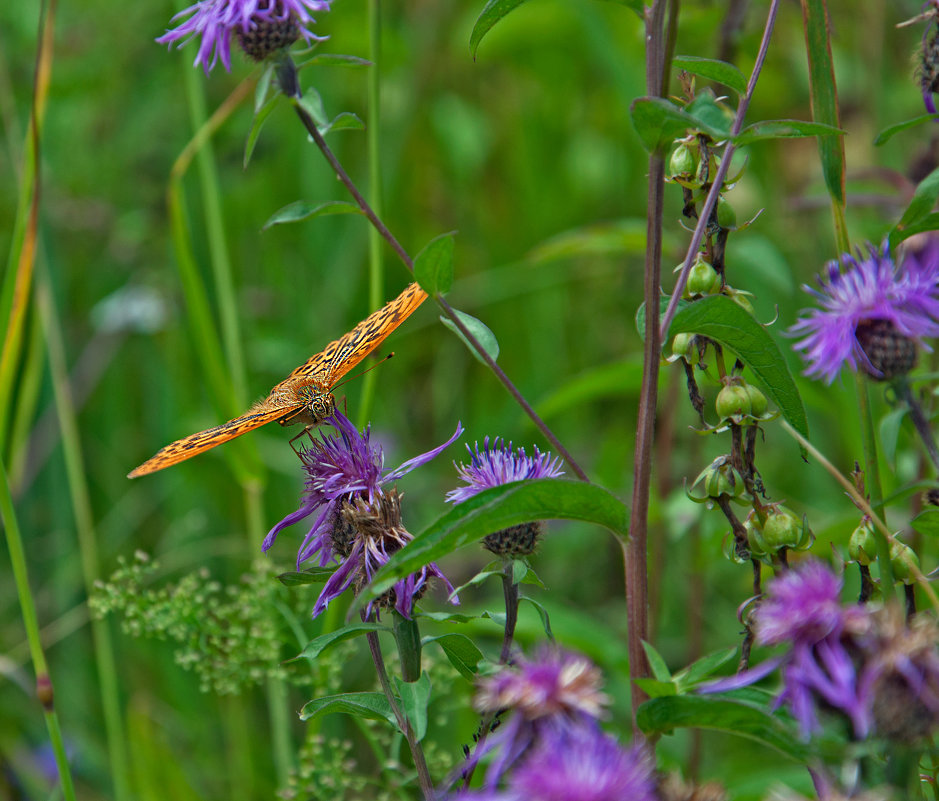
x=306, y=431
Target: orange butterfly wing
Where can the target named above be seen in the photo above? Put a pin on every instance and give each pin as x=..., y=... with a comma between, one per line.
x=340, y=356
x=195, y=444
x=331, y=364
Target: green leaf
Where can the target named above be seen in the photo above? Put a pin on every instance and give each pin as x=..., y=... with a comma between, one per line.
x=491, y=14
x=478, y=329
x=415, y=696
x=433, y=267
x=498, y=508
x=661, y=715
x=699, y=670
x=461, y=651
x=263, y=84
x=337, y=60
x=924, y=199
x=713, y=70
x=659, y=669
x=663, y=306
x=824, y=95
x=316, y=646
x=345, y=121
x=312, y=103
x=256, y=124
x=887, y=133
x=928, y=223
x=710, y=115
x=927, y=522
x=784, y=129
x=623, y=236
x=889, y=430
x=619, y=379
x=659, y=122
x=656, y=689
x=302, y=210
x=719, y=318
x=373, y=706
x=313, y=575
x=542, y=613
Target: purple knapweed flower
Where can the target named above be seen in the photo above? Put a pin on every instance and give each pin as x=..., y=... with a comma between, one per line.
x=801, y=609
x=555, y=691
x=865, y=309
x=216, y=20
x=583, y=764
x=498, y=464
x=357, y=522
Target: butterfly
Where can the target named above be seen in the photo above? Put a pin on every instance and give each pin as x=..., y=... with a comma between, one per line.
x=305, y=396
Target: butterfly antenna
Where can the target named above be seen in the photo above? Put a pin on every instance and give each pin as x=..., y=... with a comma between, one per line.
x=347, y=379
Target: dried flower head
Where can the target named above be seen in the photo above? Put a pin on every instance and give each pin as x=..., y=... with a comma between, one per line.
x=872, y=316
x=357, y=522
x=262, y=27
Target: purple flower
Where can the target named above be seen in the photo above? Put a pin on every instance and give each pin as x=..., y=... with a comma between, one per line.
x=871, y=294
x=583, y=764
x=555, y=691
x=216, y=20
x=357, y=523
x=499, y=464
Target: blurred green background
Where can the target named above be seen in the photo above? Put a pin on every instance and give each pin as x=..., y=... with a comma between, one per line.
x=527, y=152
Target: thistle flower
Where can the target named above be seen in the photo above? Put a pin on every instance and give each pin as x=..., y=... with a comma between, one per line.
x=496, y=465
x=872, y=315
x=262, y=27
x=554, y=692
x=357, y=522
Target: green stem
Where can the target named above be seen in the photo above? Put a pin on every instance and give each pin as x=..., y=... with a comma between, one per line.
x=376, y=267
x=510, y=591
x=14, y=540
x=872, y=482
x=87, y=539
x=218, y=246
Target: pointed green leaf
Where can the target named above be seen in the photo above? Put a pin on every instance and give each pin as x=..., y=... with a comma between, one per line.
x=433, y=267
x=724, y=321
x=498, y=508
x=824, y=95
x=784, y=129
x=542, y=613
x=461, y=651
x=314, y=575
x=661, y=715
x=263, y=84
x=316, y=646
x=927, y=522
x=337, y=60
x=373, y=706
x=889, y=132
x=699, y=670
x=256, y=124
x=345, y=121
x=713, y=70
x=659, y=122
x=415, y=695
x=710, y=115
x=490, y=15
x=656, y=689
x=478, y=329
x=302, y=210
x=924, y=199
x=928, y=223
x=659, y=669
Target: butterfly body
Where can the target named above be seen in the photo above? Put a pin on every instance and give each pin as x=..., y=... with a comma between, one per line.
x=305, y=396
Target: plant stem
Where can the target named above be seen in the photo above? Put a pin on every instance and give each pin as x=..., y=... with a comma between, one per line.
x=723, y=167
x=31, y=623
x=367, y=210
x=376, y=265
x=87, y=540
x=417, y=753
x=510, y=591
x=920, y=423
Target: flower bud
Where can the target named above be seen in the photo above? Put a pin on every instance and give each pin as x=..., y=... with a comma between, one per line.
x=755, y=535
x=758, y=403
x=681, y=164
x=732, y=401
x=726, y=216
x=719, y=479
x=904, y=561
x=783, y=529
x=683, y=347
x=702, y=279
x=862, y=547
